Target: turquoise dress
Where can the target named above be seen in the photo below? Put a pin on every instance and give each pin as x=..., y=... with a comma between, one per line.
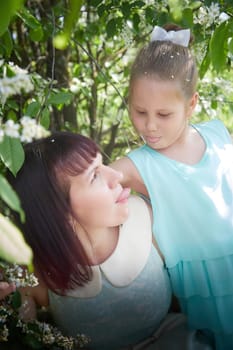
x=193, y=223
x=129, y=294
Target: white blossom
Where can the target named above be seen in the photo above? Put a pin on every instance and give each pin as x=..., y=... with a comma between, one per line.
x=74, y=85
x=16, y=69
x=127, y=33
x=31, y=129
x=223, y=17
x=4, y=334
x=26, y=130
x=77, y=84
x=40, y=132
x=21, y=278
x=10, y=86
x=206, y=16
x=11, y=128
x=213, y=12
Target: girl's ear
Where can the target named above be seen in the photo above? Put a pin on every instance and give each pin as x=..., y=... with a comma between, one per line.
x=192, y=104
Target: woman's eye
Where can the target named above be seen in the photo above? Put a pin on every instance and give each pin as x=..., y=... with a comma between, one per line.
x=94, y=177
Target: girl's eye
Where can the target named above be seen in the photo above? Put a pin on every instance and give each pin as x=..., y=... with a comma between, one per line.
x=164, y=115
x=141, y=112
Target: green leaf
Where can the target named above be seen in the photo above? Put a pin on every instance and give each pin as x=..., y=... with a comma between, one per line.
x=149, y=14
x=8, y=9
x=11, y=115
x=60, y=98
x=194, y=5
x=10, y=197
x=29, y=19
x=95, y=3
x=125, y=8
x=175, y=9
x=214, y=104
x=72, y=15
x=218, y=47
x=230, y=25
x=13, y=247
x=204, y=64
x=187, y=18
x=16, y=299
x=6, y=42
x=12, y=104
x=138, y=4
x=9, y=71
x=32, y=109
x=45, y=118
x=230, y=45
x=136, y=20
x=36, y=34
x=12, y=153
x=101, y=9
x=61, y=40
x=33, y=342
x=111, y=27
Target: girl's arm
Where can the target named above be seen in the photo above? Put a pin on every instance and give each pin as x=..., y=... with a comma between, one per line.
x=154, y=242
x=131, y=177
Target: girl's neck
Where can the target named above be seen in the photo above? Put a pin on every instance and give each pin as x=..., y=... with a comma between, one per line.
x=189, y=149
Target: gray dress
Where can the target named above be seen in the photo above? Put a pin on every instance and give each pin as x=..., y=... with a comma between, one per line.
x=129, y=295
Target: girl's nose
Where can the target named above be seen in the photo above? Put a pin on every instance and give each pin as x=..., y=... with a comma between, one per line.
x=151, y=124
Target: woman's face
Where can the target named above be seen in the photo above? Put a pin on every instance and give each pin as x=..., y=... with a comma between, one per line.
x=97, y=197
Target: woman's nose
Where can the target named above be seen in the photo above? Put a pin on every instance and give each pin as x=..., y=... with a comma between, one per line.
x=114, y=177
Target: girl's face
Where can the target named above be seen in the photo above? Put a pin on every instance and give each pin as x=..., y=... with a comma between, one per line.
x=159, y=111
x=97, y=198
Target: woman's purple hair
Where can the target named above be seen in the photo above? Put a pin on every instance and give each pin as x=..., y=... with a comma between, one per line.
x=42, y=185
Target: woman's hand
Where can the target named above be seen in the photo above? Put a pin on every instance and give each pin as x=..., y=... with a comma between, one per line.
x=5, y=289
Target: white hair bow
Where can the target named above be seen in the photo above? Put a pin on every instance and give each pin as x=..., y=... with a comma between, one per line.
x=180, y=37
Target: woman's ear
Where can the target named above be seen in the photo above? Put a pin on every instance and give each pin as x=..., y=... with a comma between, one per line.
x=192, y=104
x=73, y=223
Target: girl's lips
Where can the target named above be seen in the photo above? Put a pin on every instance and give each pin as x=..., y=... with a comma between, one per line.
x=124, y=195
x=151, y=139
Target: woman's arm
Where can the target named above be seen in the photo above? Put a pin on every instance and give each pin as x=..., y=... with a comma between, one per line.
x=32, y=298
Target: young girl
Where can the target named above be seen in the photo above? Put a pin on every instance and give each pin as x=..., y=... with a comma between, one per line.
x=187, y=171
x=98, y=269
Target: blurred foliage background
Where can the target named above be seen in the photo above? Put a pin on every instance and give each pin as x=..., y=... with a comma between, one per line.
x=77, y=55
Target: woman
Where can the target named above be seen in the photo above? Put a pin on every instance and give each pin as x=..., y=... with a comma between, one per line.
x=99, y=272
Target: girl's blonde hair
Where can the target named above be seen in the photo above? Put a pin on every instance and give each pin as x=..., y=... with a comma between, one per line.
x=168, y=61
